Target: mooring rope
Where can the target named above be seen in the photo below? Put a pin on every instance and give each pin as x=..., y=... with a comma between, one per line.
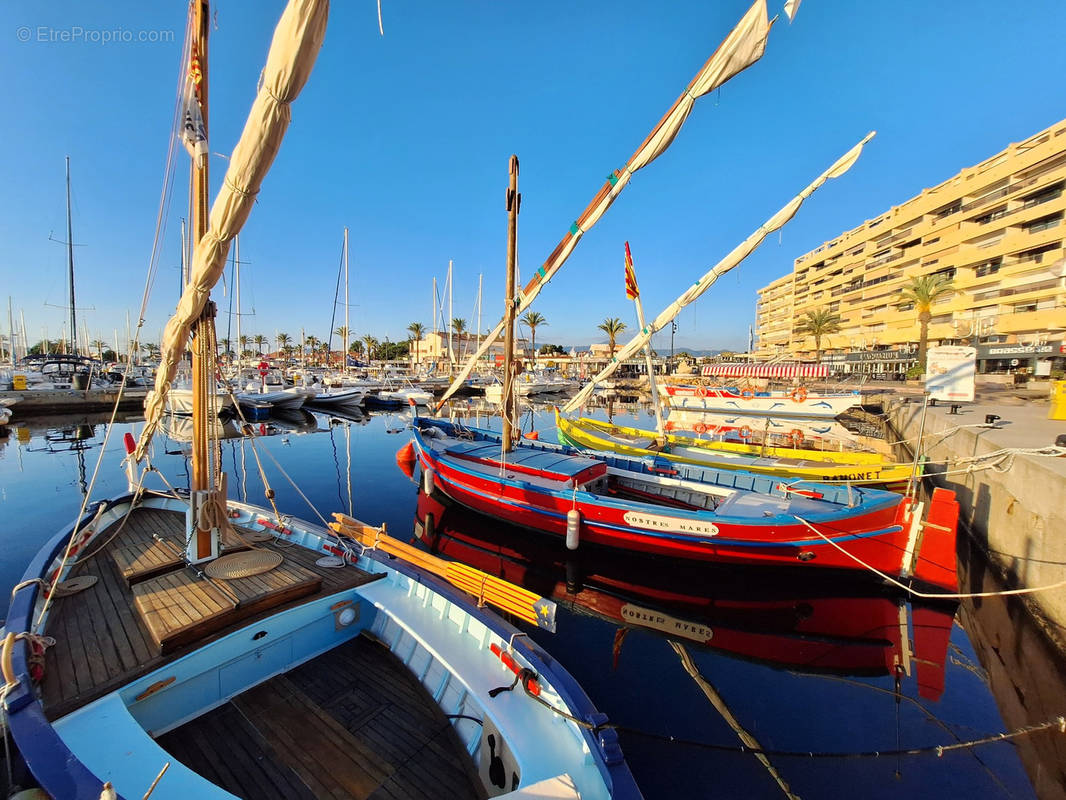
x=929, y=595
x=1058, y=723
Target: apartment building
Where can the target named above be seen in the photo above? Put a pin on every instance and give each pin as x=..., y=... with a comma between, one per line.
x=433, y=347
x=996, y=229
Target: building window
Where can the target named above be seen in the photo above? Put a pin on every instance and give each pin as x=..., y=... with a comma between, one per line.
x=995, y=214
x=1043, y=196
x=1044, y=223
x=989, y=267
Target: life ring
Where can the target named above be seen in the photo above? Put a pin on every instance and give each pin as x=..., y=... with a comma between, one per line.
x=796, y=435
x=264, y=368
x=799, y=394
x=701, y=391
x=747, y=394
x=745, y=432
x=700, y=427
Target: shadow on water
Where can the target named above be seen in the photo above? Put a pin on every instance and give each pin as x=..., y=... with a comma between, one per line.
x=1026, y=673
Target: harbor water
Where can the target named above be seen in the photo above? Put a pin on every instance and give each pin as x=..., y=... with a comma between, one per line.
x=695, y=666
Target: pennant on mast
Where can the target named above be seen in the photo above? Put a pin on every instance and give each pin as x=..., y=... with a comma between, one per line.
x=743, y=46
x=632, y=292
x=737, y=255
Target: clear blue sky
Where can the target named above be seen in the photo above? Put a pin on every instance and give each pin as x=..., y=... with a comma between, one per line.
x=405, y=139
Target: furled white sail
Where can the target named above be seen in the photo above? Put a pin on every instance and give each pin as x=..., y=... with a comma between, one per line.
x=741, y=48
x=738, y=254
x=297, y=40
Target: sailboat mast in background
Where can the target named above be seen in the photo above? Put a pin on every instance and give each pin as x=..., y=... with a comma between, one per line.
x=70, y=267
x=347, y=332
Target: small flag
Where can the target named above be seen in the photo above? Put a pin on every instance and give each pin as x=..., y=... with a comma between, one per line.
x=791, y=7
x=631, y=278
x=196, y=75
x=194, y=133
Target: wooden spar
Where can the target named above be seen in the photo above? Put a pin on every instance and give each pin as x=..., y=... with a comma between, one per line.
x=202, y=371
x=492, y=590
x=510, y=408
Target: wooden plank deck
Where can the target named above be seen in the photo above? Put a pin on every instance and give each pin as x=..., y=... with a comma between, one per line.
x=157, y=545
x=181, y=607
x=101, y=641
x=352, y=723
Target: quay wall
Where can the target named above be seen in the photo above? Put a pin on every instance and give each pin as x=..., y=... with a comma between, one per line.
x=41, y=401
x=1015, y=512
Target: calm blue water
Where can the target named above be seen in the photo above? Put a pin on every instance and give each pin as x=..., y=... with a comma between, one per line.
x=748, y=675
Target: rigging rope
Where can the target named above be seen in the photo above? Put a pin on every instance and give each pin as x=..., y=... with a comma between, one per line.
x=928, y=595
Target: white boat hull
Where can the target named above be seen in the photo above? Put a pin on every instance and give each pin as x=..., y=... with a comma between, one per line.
x=778, y=404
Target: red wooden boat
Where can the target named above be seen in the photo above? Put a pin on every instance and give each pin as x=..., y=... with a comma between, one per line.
x=687, y=512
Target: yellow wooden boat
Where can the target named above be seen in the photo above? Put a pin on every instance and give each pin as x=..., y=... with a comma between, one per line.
x=814, y=465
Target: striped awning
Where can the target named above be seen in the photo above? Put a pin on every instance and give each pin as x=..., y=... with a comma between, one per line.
x=765, y=371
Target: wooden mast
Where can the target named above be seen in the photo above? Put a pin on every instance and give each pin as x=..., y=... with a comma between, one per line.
x=510, y=407
x=201, y=547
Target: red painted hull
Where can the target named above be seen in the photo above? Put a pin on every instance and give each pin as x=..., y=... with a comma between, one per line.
x=877, y=538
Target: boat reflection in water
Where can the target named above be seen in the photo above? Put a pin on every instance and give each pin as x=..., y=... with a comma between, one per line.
x=179, y=427
x=825, y=626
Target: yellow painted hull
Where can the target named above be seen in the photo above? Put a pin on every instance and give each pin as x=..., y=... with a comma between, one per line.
x=860, y=468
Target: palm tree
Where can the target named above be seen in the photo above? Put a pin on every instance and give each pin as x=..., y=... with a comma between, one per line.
x=283, y=340
x=242, y=342
x=99, y=344
x=416, y=330
x=259, y=340
x=612, y=326
x=152, y=349
x=819, y=323
x=923, y=291
x=226, y=344
x=533, y=320
x=311, y=343
x=371, y=343
x=459, y=326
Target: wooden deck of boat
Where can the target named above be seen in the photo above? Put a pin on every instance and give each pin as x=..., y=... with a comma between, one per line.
x=352, y=723
x=102, y=639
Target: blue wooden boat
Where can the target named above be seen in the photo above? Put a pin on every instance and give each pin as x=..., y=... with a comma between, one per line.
x=184, y=645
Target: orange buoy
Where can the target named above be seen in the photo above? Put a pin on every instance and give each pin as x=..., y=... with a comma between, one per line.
x=531, y=435
x=405, y=459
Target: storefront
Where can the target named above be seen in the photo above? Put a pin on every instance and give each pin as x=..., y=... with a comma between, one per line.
x=886, y=365
x=1039, y=360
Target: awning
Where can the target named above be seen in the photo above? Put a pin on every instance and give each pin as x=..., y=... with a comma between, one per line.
x=765, y=371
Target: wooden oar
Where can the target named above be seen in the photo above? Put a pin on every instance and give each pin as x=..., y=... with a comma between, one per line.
x=497, y=592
